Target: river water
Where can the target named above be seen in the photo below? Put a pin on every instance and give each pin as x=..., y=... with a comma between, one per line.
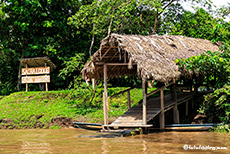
x=65, y=141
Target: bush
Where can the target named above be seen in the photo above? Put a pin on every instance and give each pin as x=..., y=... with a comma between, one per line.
x=217, y=105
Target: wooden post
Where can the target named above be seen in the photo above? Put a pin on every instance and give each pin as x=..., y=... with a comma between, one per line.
x=93, y=83
x=105, y=100
x=144, y=87
x=196, y=85
x=128, y=99
x=26, y=83
x=186, y=108
x=162, y=114
x=192, y=104
x=175, y=110
x=191, y=83
x=46, y=82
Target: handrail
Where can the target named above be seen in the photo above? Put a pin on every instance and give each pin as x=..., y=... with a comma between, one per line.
x=155, y=91
x=151, y=93
x=121, y=92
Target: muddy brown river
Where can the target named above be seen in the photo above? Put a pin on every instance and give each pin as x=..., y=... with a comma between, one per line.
x=65, y=141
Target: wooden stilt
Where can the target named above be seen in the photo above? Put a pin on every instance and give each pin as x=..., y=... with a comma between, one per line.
x=192, y=104
x=186, y=108
x=128, y=99
x=191, y=83
x=196, y=85
x=93, y=83
x=162, y=114
x=175, y=110
x=144, y=87
x=105, y=100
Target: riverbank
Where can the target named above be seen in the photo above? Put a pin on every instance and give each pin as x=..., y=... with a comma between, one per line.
x=58, y=109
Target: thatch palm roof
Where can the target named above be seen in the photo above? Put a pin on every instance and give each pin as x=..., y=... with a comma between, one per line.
x=37, y=62
x=152, y=57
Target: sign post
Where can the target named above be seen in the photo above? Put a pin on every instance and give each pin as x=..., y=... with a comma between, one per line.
x=26, y=82
x=36, y=75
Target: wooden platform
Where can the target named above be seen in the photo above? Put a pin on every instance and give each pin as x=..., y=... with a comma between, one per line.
x=133, y=117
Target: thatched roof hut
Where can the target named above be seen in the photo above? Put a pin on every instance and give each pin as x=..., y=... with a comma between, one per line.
x=37, y=62
x=152, y=57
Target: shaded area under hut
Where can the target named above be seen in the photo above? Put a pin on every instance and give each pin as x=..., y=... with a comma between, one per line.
x=151, y=57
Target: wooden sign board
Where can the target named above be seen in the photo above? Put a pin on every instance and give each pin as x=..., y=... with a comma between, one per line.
x=36, y=79
x=35, y=70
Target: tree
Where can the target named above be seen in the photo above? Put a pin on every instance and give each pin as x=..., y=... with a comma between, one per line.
x=39, y=28
x=212, y=66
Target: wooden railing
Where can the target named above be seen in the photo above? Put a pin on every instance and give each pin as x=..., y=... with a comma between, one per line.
x=129, y=89
x=128, y=95
x=155, y=91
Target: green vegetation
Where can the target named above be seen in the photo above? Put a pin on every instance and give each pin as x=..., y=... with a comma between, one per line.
x=38, y=109
x=70, y=31
x=213, y=69
x=222, y=128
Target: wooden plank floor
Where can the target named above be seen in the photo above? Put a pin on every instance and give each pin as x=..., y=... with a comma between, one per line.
x=133, y=117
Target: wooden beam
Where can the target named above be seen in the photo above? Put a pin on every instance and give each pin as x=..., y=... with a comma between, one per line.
x=105, y=53
x=105, y=100
x=114, y=56
x=117, y=64
x=144, y=87
x=128, y=99
x=110, y=46
x=36, y=63
x=125, y=57
x=162, y=114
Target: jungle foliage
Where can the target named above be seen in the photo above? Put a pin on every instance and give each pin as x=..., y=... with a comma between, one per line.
x=69, y=31
x=63, y=30
x=214, y=70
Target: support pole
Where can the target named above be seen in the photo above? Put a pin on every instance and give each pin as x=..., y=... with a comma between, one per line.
x=186, y=108
x=26, y=83
x=144, y=87
x=93, y=83
x=175, y=110
x=46, y=82
x=192, y=104
x=105, y=100
x=191, y=83
x=162, y=114
x=128, y=99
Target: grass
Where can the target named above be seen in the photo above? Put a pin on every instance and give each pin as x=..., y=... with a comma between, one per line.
x=37, y=109
x=1, y=97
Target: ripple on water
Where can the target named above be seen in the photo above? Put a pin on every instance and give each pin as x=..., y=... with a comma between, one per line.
x=66, y=141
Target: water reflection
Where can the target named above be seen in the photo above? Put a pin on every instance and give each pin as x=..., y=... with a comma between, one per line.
x=65, y=141
x=104, y=146
x=145, y=147
x=29, y=147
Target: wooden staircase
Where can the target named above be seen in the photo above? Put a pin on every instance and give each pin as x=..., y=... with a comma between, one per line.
x=133, y=117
